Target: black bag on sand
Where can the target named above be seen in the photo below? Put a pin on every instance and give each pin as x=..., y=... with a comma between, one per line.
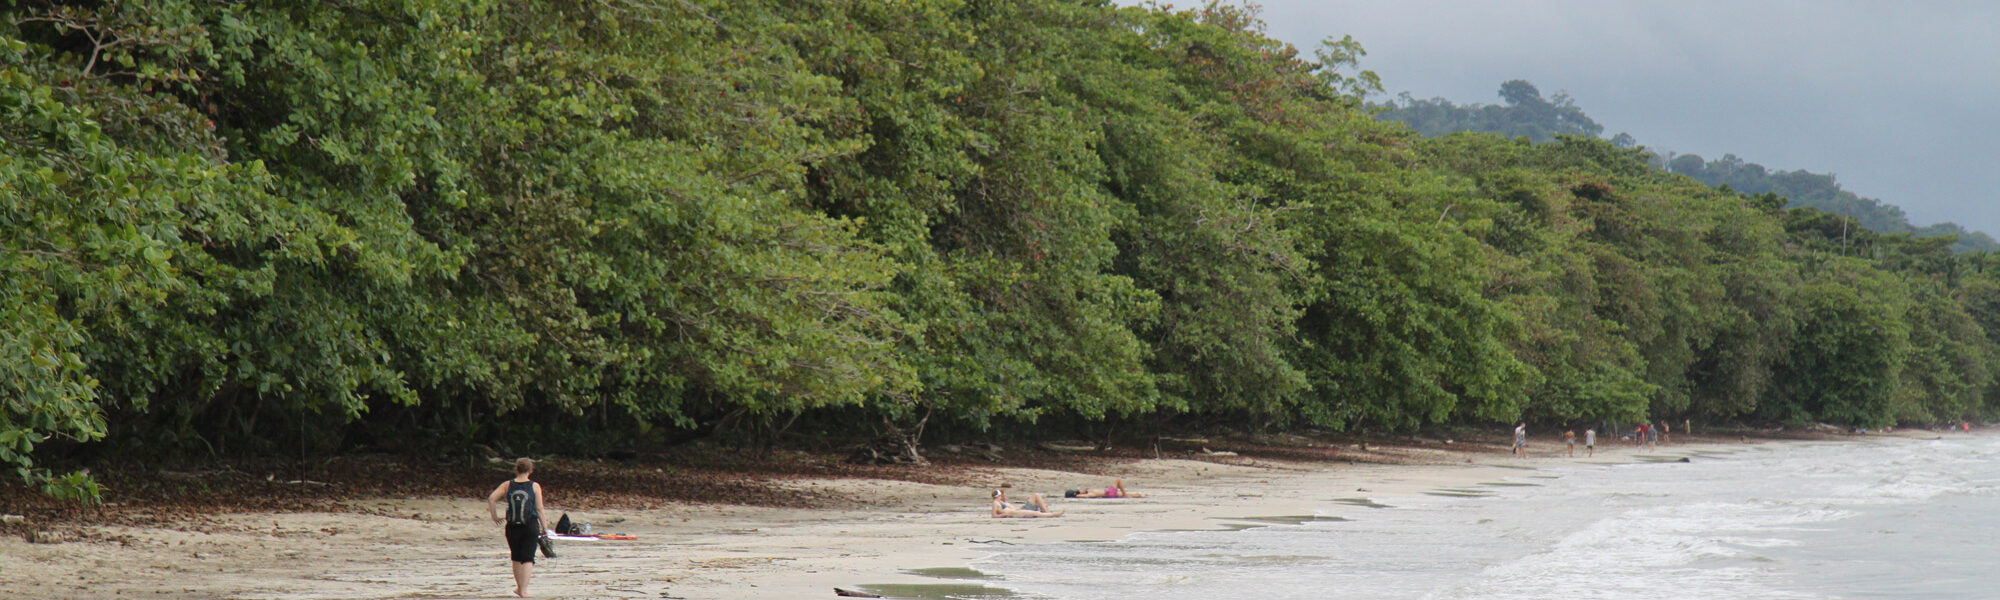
x=563, y=527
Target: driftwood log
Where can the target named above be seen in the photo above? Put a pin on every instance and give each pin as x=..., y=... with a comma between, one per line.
x=893, y=447
x=987, y=452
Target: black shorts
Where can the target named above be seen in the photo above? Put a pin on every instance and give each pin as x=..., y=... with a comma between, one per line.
x=521, y=541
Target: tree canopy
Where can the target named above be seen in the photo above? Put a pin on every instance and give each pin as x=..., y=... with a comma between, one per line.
x=264, y=228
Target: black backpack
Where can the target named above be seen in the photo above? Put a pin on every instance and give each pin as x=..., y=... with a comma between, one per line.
x=520, y=500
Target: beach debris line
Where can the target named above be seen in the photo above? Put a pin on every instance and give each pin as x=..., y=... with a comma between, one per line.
x=854, y=594
x=46, y=537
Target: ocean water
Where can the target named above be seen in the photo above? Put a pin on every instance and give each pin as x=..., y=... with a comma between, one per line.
x=1880, y=518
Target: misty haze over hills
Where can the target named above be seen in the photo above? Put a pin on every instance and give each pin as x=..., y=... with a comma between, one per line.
x=1895, y=98
x=1524, y=112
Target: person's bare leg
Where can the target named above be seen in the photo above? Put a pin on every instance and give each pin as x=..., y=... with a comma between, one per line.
x=1122, y=492
x=522, y=571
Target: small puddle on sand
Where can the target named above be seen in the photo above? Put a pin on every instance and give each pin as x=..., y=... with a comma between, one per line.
x=953, y=573
x=1362, y=502
x=1290, y=519
x=941, y=591
x=1460, y=493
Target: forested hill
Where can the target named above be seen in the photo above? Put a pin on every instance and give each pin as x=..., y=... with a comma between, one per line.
x=296, y=228
x=1822, y=192
x=1525, y=113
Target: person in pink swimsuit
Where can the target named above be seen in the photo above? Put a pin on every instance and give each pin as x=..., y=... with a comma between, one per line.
x=1117, y=490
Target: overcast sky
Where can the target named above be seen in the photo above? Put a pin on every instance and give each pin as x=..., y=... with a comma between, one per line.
x=1901, y=100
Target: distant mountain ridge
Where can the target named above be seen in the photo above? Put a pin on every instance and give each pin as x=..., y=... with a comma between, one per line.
x=1526, y=113
x=1818, y=190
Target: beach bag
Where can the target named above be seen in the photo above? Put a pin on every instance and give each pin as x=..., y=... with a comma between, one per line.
x=563, y=527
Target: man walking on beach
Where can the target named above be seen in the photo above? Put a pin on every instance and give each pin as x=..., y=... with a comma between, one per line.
x=1520, y=438
x=1569, y=437
x=1590, y=441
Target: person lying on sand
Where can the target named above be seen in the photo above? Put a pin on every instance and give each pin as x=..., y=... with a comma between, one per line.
x=1035, y=507
x=1117, y=490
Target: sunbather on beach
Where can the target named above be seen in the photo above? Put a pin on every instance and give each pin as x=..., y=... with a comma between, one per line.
x=1117, y=490
x=1035, y=507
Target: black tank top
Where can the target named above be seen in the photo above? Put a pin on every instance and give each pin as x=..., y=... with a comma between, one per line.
x=521, y=508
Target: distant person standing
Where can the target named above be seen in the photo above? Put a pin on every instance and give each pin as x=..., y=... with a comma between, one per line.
x=1666, y=432
x=1520, y=438
x=1590, y=441
x=526, y=520
x=1569, y=437
x=1652, y=438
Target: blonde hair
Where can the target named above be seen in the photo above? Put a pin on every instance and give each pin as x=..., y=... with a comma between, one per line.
x=524, y=466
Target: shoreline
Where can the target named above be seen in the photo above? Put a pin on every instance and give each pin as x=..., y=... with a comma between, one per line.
x=916, y=538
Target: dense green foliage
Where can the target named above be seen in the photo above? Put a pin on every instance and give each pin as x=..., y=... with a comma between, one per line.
x=267, y=227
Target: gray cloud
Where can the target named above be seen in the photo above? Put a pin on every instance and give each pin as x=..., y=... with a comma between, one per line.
x=1896, y=98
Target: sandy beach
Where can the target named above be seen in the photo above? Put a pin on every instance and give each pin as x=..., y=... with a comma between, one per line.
x=887, y=532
